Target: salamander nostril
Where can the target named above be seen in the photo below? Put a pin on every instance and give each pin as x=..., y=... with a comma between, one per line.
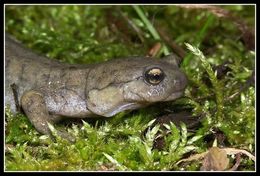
x=184, y=81
x=180, y=82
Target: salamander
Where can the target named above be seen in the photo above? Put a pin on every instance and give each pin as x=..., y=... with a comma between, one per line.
x=48, y=90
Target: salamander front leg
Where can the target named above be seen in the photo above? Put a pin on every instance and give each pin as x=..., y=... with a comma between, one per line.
x=34, y=106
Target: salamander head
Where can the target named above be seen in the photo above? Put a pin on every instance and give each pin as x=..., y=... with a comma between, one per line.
x=131, y=83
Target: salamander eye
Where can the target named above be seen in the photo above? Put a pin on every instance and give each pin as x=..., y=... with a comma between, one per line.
x=154, y=76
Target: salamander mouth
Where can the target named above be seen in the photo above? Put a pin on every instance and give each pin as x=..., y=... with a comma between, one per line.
x=140, y=104
x=124, y=107
x=174, y=96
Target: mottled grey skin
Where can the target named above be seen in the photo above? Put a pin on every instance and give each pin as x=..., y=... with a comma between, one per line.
x=49, y=90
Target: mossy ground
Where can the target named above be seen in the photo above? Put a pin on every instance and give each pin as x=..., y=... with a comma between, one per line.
x=88, y=34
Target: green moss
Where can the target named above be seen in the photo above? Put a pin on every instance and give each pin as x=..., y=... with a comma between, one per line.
x=81, y=34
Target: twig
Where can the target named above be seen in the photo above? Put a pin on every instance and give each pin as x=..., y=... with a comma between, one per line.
x=193, y=157
x=150, y=27
x=232, y=151
x=248, y=35
x=154, y=50
x=229, y=151
x=176, y=48
x=238, y=160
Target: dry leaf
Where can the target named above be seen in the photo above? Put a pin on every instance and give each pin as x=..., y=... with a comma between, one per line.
x=215, y=160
